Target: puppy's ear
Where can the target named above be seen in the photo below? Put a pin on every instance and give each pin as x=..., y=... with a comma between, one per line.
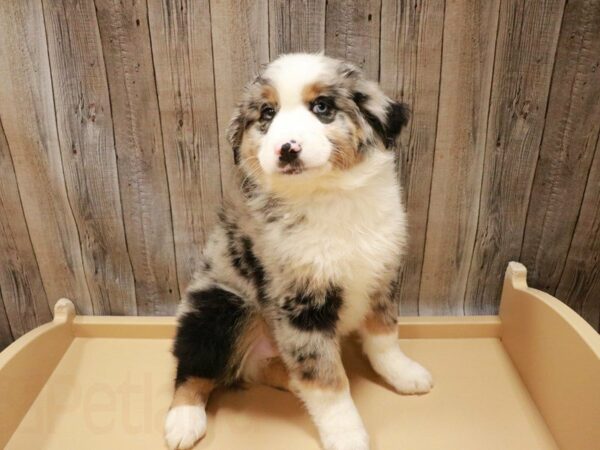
x=385, y=116
x=235, y=132
x=397, y=118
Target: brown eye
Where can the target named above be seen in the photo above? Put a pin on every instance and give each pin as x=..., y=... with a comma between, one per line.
x=267, y=113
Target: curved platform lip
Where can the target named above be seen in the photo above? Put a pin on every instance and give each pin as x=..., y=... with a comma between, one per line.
x=557, y=355
x=516, y=275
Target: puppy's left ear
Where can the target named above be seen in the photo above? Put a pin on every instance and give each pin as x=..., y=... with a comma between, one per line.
x=397, y=118
x=385, y=116
x=235, y=132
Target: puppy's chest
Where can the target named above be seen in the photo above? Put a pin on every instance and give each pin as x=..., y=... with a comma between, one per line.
x=346, y=243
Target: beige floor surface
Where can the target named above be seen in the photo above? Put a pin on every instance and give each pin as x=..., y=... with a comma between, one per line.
x=113, y=394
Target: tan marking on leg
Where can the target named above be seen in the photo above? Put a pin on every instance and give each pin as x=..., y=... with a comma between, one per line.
x=275, y=374
x=323, y=375
x=376, y=324
x=334, y=384
x=339, y=383
x=193, y=391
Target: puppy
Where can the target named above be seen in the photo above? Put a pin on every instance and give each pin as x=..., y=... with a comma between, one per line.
x=307, y=251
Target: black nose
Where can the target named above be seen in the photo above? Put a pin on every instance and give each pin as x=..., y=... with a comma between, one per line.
x=289, y=152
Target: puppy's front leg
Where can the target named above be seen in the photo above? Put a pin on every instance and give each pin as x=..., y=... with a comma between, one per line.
x=380, y=343
x=317, y=377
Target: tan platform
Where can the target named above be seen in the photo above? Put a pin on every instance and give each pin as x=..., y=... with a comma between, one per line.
x=526, y=379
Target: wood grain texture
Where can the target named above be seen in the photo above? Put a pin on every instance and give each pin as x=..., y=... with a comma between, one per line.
x=467, y=65
x=579, y=283
x=25, y=301
x=28, y=117
x=572, y=125
x=140, y=155
x=113, y=117
x=296, y=26
x=241, y=46
x=525, y=49
x=411, y=53
x=352, y=33
x=6, y=336
x=182, y=50
x=85, y=133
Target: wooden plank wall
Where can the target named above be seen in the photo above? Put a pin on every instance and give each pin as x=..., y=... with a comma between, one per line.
x=113, y=156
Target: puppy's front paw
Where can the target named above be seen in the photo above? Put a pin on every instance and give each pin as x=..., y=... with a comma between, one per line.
x=184, y=425
x=411, y=377
x=347, y=439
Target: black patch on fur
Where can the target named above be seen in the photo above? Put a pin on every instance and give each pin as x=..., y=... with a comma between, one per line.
x=255, y=267
x=306, y=312
x=308, y=374
x=245, y=261
x=206, y=336
x=302, y=357
x=397, y=116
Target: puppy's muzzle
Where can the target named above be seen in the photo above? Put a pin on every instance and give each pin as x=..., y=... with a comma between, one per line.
x=289, y=153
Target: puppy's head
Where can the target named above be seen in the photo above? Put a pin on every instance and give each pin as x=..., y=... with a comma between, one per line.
x=307, y=116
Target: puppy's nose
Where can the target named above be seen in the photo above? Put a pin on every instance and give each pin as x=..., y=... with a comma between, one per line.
x=289, y=151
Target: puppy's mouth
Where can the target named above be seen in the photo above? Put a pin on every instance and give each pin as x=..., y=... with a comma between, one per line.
x=292, y=168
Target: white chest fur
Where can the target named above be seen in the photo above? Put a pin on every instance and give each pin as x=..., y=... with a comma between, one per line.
x=347, y=238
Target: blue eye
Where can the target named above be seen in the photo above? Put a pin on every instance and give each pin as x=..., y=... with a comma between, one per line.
x=320, y=107
x=267, y=113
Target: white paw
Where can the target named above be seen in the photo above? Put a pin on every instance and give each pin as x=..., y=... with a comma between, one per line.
x=411, y=378
x=184, y=425
x=350, y=439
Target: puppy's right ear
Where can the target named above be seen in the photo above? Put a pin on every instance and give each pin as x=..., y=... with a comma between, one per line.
x=235, y=132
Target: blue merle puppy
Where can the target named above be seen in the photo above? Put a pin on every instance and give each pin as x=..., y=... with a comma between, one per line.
x=307, y=251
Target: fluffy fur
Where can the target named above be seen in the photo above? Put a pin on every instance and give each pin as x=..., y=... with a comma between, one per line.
x=307, y=250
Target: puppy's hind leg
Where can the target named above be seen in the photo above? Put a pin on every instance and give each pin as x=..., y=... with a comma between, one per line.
x=186, y=421
x=211, y=325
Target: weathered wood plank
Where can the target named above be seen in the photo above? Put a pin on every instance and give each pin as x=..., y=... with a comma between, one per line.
x=6, y=336
x=296, y=26
x=526, y=45
x=182, y=49
x=579, y=284
x=27, y=111
x=467, y=65
x=352, y=33
x=85, y=133
x=241, y=43
x=25, y=302
x=411, y=53
x=572, y=124
x=140, y=155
